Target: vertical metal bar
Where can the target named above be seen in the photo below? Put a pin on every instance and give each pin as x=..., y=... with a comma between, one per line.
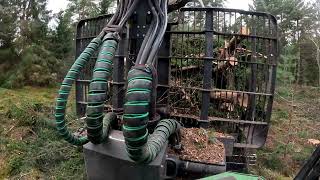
x=207, y=67
x=79, y=88
x=118, y=75
x=132, y=38
x=253, y=73
x=163, y=70
x=274, y=56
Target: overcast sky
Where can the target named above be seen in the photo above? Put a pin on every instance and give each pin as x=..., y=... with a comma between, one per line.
x=57, y=5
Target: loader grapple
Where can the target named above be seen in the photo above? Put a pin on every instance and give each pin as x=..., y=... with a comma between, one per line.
x=216, y=69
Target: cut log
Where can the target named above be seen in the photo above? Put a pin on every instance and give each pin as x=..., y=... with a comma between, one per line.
x=238, y=98
x=230, y=61
x=245, y=30
x=243, y=100
x=249, y=52
x=233, y=61
x=227, y=60
x=227, y=106
x=186, y=68
x=232, y=44
x=224, y=96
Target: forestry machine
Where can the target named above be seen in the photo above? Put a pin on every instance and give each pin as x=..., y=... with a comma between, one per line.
x=167, y=92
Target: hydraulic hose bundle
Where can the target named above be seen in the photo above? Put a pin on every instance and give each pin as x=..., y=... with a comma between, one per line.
x=140, y=94
x=97, y=124
x=98, y=89
x=64, y=91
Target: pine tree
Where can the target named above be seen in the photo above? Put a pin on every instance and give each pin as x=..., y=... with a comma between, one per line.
x=104, y=6
x=297, y=23
x=83, y=8
x=8, y=17
x=32, y=22
x=62, y=39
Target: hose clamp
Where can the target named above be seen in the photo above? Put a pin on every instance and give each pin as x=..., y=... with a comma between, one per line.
x=112, y=36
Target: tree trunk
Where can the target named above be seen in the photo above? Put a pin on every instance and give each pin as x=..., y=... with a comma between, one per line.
x=317, y=58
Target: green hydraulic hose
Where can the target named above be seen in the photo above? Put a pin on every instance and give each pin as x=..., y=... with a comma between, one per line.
x=98, y=89
x=141, y=146
x=64, y=91
x=96, y=124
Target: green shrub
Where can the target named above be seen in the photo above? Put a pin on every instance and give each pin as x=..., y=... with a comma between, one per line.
x=285, y=92
x=275, y=158
x=287, y=65
x=15, y=165
x=273, y=162
x=8, y=55
x=303, y=134
x=29, y=113
x=8, y=59
x=37, y=67
x=301, y=157
x=280, y=114
x=24, y=114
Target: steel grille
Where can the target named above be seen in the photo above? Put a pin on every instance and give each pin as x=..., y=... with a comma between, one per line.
x=223, y=67
x=216, y=67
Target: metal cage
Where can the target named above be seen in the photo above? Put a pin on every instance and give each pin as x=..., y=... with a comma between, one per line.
x=216, y=68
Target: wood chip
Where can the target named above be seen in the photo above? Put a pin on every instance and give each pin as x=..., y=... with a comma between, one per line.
x=314, y=141
x=200, y=145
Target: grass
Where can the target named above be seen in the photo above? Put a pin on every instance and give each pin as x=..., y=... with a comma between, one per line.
x=295, y=119
x=30, y=147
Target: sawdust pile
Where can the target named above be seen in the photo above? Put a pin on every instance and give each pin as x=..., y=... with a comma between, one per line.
x=201, y=145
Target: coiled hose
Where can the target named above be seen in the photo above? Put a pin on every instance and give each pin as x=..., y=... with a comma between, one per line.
x=140, y=147
x=97, y=126
x=98, y=90
x=64, y=91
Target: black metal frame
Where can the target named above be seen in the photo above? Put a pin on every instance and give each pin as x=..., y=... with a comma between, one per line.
x=250, y=125
x=255, y=90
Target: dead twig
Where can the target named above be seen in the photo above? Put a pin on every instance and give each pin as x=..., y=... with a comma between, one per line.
x=11, y=128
